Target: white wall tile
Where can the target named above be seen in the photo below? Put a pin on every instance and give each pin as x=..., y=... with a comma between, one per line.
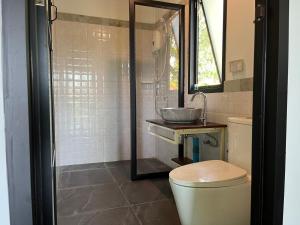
x=92, y=103
x=91, y=90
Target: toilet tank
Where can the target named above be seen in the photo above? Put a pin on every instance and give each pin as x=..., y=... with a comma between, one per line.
x=240, y=142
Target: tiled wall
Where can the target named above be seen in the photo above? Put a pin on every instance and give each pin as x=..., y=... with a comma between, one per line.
x=91, y=86
x=145, y=72
x=223, y=105
x=220, y=107
x=150, y=65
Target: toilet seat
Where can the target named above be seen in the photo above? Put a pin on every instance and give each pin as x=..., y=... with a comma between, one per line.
x=209, y=174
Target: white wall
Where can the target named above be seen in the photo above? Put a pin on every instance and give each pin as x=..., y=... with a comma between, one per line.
x=220, y=105
x=240, y=36
x=240, y=33
x=4, y=206
x=95, y=132
x=292, y=182
x=91, y=87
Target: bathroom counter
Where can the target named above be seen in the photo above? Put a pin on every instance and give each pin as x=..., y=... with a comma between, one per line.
x=178, y=134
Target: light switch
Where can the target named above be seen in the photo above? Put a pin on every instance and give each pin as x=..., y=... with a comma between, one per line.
x=236, y=66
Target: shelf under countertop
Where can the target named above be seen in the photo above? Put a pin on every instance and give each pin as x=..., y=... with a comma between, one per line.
x=176, y=133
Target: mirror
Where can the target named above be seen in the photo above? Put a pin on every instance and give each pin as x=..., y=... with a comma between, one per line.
x=156, y=79
x=221, y=45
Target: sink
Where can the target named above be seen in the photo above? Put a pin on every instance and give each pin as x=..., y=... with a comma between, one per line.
x=180, y=115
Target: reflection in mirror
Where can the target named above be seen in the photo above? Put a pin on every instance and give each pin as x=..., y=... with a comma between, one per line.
x=221, y=45
x=158, y=71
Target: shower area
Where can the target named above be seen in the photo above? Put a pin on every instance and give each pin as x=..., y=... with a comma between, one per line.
x=92, y=86
x=102, y=106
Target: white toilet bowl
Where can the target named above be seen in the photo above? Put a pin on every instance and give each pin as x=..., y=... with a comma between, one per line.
x=212, y=193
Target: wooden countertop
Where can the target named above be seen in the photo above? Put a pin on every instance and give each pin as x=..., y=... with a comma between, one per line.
x=178, y=126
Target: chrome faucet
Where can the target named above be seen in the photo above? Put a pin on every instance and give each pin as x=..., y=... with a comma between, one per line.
x=204, y=113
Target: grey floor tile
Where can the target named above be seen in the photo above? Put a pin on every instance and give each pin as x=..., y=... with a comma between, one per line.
x=81, y=167
x=84, y=178
x=157, y=165
x=89, y=199
x=114, y=164
x=121, y=170
x=98, y=194
x=141, y=191
x=143, y=167
x=151, y=165
x=157, y=213
x=148, y=165
x=164, y=186
x=120, y=174
x=119, y=216
x=72, y=220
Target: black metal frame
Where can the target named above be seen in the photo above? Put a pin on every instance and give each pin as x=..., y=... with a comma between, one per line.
x=269, y=111
x=163, y=5
x=269, y=114
x=27, y=113
x=43, y=150
x=193, y=6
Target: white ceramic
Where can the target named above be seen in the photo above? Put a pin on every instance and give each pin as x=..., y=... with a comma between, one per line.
x=217, y=192
x=240, y=142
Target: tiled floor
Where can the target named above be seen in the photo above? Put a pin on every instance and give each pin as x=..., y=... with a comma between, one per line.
x=103, y=194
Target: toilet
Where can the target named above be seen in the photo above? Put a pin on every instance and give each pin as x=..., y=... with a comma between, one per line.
x=217, y=192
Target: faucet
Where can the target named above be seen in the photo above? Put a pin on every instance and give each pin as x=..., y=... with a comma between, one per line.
x=204, y=113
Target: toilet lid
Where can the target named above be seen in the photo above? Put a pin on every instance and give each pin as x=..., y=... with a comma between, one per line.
x=214, y=173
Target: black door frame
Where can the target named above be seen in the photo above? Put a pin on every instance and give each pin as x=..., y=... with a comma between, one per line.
x=269, y=117
x=43, y=160
x=132, y=39
x=28, y=121
x=269, y=111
